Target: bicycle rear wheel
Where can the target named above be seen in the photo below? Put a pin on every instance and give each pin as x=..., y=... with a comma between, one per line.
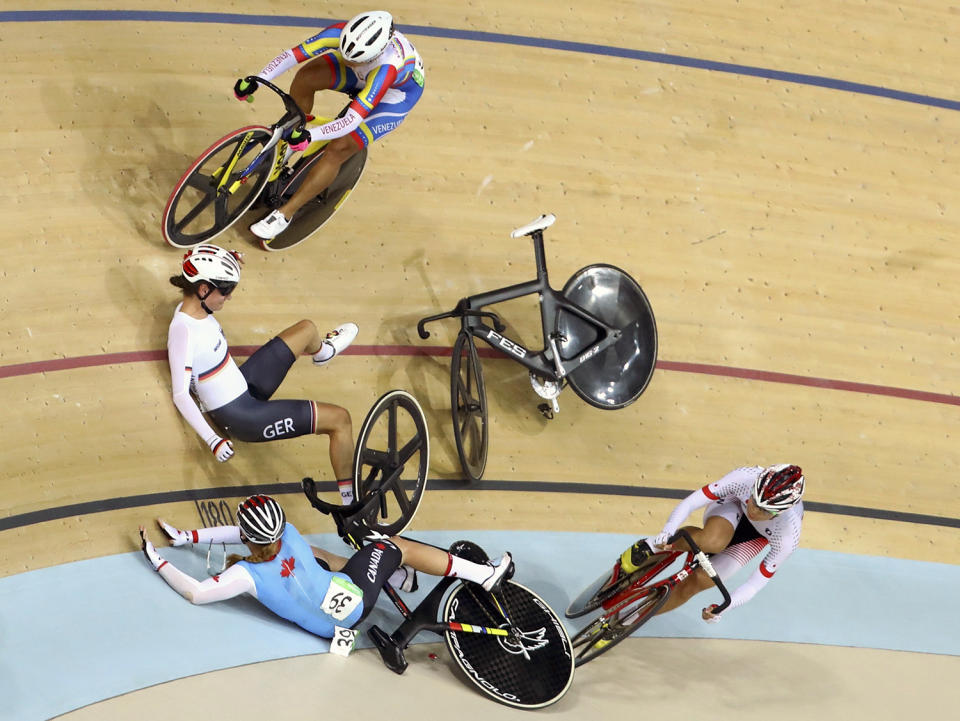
x=392, y=458
x=468, y=405
x=197, y=211
x=532, y=667
x=617, y=623
x=312, y=216
x=617, y=376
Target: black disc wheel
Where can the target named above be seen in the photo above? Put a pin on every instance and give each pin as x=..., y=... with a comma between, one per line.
x=211, y=196
x=392, y=459
x=468, y=405
x=530, y=666
x=616, y=376
x=315, y=214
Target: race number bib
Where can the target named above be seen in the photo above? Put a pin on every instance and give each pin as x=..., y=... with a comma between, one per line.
x=342, y=598
x=343, y=640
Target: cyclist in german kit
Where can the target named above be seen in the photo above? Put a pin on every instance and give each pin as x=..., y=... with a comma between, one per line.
x=238, y=398
x=747, y=510
x=314, y=589
x=367, y=59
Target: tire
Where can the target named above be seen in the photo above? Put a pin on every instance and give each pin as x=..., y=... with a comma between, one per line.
x=597, y=592
x=393, y=456
x=195, y=212
x=316, y=213
x=497, y=664
x=617, y=623
x=468, y=406
x=611, y=295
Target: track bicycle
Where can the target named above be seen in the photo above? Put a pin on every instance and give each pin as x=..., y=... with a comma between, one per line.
x=629, y=600
x=599, y=335
x=251, y=168
x=509, y=643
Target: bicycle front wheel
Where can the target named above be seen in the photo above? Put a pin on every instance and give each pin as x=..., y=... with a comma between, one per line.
x=201, y=206
x=530, y=668
x=392, y=458
x=617, y=623
x=468, y=404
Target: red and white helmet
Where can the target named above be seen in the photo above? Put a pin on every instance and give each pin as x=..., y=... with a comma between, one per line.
x=211, y=263
x=778, y=487
x=366, y=35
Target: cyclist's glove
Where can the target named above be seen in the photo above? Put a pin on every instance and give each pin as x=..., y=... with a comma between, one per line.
x=243, y=90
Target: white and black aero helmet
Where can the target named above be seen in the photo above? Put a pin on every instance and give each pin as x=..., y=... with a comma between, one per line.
x=214, y=265
x=778, y=487
x=261, y=519
x=366, y=35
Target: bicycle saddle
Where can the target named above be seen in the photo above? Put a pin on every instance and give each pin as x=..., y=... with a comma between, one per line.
x=541, y=223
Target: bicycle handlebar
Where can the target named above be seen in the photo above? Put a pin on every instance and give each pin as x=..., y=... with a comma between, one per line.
x=293, y=110
x=704, y=562
x=461, y=311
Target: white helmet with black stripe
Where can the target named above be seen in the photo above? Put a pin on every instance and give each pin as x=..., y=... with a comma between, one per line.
x=365, y=36
x=261, y=520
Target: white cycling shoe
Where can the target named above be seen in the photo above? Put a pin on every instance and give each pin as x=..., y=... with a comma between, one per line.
x=502, y=570
x=270, y=227
x=338, y=339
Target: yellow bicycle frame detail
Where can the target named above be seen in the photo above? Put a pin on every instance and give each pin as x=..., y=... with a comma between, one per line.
x=233, y=161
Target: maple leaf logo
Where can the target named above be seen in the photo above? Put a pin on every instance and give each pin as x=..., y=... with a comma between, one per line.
x=286, y=566
x=216, y=578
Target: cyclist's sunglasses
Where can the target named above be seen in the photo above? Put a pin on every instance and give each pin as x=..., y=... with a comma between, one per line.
x=225, y=287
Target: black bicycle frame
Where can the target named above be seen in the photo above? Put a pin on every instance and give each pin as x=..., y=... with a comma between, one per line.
x=547, y=361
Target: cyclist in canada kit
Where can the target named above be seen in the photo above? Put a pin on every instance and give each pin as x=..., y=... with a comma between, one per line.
x=313, y=588
x=364, y=57
x=747, y=510
x=239, y=398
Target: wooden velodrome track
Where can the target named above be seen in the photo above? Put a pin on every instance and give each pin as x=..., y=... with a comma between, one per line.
x=778, y=227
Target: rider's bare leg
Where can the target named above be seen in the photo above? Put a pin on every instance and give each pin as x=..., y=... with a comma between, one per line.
x=313, y=76
x=321, y=174
x=302, y=337
x=714, y=537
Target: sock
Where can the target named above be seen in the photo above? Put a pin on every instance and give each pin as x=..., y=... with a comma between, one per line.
x=346, y=491
x=398, y=577
x=468, y=570
x=325, y=353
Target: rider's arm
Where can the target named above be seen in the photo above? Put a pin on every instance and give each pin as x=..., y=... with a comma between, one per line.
x=181, y=368
x=326, y=39
x=378, y=83
x=697, y=499
x=232, y=582
x=748, y=589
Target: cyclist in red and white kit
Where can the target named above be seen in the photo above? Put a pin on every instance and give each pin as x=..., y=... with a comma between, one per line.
x=747, y=510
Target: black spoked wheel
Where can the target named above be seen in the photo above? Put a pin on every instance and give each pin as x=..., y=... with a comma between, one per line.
x=392, y=458
x=530, y=667
x=468, y=405
x=312, y=216
x=617, y=623
x=615, y=377
x=201, y=207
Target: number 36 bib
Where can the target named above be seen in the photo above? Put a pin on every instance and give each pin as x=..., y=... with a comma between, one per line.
x=342, y=598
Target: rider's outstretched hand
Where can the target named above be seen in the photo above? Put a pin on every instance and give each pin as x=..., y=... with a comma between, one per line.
x=243, y=90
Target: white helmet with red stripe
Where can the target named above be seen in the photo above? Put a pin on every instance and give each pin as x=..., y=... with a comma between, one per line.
x=214, y=265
